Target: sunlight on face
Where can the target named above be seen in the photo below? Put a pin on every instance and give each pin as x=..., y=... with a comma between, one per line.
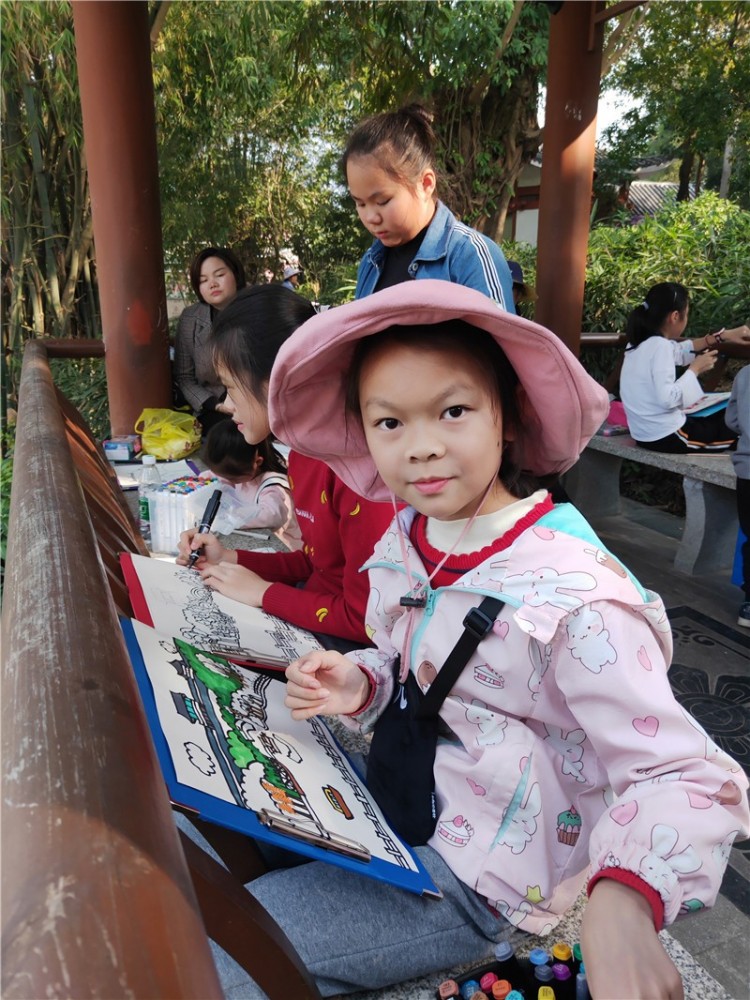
x=391, y=210
x=247, y=411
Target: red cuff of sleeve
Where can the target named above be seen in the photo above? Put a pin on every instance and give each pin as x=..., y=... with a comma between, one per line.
x=634, y=882
x=368, y=700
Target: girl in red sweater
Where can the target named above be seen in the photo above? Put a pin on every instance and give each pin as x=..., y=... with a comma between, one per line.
x=319, y=587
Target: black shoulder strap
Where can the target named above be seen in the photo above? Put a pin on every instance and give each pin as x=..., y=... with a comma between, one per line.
x=477, y=624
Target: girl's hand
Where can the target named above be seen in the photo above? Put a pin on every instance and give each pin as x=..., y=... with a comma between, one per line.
x=234, y=581
x=738, y=335
x=213, y=550
x=620, y=918
x=325, y=683
x=703, y=363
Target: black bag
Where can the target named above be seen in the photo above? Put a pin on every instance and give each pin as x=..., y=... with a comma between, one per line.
x=402, y=753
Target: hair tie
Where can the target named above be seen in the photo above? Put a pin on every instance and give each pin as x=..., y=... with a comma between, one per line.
x=645, y=305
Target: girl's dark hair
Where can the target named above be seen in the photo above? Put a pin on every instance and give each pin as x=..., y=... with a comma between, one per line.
x=646, y=319
x=248, y=332
x=227, y=453
x=223, y=253
x=403, y=142
x=502, y=380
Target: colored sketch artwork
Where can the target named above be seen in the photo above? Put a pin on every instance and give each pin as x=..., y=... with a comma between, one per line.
x=235, y=754
x=175, y=601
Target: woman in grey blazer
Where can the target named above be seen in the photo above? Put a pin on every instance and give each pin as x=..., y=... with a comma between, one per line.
x=216, y=276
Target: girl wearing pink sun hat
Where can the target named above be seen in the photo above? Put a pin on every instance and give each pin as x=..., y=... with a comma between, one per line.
x=429, y=394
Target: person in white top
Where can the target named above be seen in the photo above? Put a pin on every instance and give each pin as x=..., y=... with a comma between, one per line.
x=258, y=475
x=653, y=397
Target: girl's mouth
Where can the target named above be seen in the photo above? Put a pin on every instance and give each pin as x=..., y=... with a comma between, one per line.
x=427, y=487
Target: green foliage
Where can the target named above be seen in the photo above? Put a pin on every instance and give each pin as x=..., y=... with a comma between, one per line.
x=702, y=243
x=49, y=284
x=84, y=382
x=689, y=70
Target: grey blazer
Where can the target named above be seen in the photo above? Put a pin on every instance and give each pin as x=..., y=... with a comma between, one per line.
x=193, y=371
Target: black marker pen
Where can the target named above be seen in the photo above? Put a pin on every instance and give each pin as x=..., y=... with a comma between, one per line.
x=204, y=527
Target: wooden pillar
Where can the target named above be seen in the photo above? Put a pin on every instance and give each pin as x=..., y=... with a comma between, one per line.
x=117, y=100
x=575, y=55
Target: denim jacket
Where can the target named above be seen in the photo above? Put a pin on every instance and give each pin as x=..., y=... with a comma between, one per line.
x=450, y=251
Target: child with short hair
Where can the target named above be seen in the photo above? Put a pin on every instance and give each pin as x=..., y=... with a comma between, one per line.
x=563, y=756
x=390, y=165
x=257, y=473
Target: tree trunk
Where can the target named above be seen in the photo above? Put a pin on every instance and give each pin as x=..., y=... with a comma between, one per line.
x=726, y=167
x=686, y=171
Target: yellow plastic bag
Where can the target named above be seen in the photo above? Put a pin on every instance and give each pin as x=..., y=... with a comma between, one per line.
x=169, y=434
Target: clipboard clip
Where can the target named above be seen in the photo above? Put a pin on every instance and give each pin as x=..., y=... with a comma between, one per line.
x=319, y=838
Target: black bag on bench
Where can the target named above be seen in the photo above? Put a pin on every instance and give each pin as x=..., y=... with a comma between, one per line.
x=402, y=753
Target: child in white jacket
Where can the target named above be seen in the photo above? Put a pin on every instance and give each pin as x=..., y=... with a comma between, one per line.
x=563, y=757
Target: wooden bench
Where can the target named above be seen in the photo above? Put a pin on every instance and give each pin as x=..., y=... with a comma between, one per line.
x=101, y=897
x=709, y=483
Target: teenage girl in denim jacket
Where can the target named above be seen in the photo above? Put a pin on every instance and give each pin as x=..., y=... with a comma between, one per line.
x=389, y=162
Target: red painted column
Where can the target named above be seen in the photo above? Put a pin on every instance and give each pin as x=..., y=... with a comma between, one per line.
x=567, y=168
x=117, y=100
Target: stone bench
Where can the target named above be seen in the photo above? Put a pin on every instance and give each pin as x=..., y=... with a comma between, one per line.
x=709, y=483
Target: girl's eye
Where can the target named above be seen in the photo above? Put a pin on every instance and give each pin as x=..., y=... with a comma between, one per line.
x=382, y=204
x=387, y=423
x=454, y=412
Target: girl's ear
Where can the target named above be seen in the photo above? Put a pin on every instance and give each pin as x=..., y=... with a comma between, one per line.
x=257, y=464
x=428, y=183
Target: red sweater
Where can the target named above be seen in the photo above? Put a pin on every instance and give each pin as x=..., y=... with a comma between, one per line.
x=339, y=532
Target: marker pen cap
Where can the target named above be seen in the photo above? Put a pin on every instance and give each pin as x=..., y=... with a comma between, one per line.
x=515, y=995
x=561, y=951
x=501, y=989
x=577, y=954
x=503, y=951
x=448, y=989
x=479, y=995
x=485, y=983
x=538, y=956
x=561, y=971
x=543, y=973
x=546, y=993
x=469, y=988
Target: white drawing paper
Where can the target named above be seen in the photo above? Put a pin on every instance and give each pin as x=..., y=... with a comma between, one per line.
x=176, y=601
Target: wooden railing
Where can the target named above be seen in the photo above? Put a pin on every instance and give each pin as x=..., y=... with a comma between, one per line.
x=97, y=897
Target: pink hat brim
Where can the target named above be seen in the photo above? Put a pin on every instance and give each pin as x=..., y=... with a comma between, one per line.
x=562, y=408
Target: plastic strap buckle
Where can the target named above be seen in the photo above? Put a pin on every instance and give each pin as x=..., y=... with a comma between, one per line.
x=478, y=623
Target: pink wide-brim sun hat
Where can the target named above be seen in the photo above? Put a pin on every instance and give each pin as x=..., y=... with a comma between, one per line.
x=561, y=405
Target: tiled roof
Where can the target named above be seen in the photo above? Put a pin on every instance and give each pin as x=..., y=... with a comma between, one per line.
x=647, y=197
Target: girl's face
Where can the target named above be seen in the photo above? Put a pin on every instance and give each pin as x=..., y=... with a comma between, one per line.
x=217, y=285
x=674, y=325
x=389, y=209
x=246, y=410
x=434, y=429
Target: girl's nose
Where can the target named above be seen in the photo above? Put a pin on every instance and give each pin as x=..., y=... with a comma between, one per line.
x=372, y=216
x=421, y=447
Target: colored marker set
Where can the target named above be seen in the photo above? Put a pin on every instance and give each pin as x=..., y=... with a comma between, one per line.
x=558, y=974
x=176, y=506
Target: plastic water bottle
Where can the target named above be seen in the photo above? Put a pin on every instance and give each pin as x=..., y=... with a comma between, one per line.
x=148, y=481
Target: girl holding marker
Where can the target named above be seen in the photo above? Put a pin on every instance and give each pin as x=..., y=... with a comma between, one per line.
x=653, y=398
x=563, y=758
x=390, y=167
x=318, y=587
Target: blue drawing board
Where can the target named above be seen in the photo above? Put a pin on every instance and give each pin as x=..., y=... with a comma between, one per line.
x=230, y=751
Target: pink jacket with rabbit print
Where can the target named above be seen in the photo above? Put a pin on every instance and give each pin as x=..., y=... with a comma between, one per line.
x=569, y=753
